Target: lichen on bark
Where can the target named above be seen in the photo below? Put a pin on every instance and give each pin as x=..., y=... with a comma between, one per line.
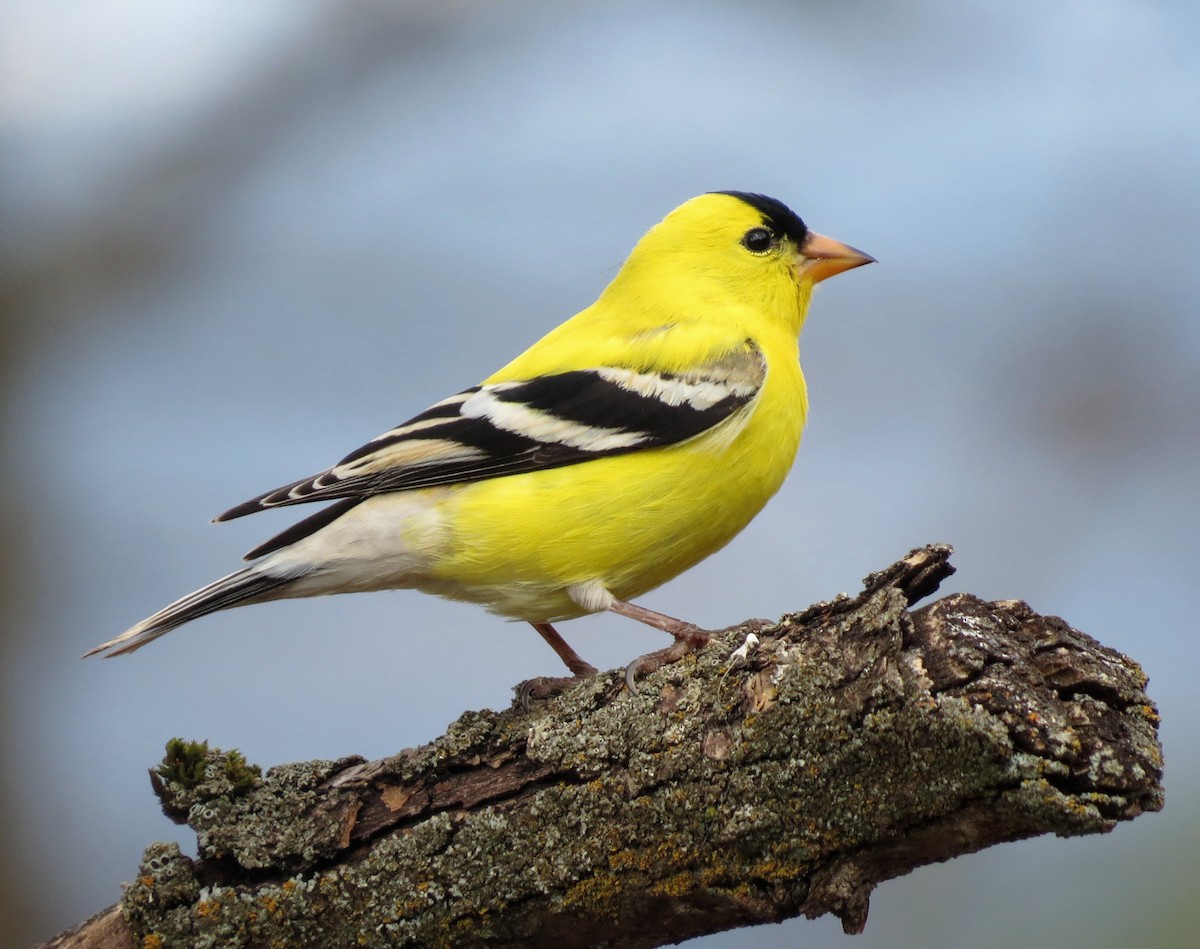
x=858, y=740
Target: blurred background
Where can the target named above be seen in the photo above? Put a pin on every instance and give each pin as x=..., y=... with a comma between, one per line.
x=239, y=239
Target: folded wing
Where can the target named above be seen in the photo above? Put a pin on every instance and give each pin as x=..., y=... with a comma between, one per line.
x=508, y=428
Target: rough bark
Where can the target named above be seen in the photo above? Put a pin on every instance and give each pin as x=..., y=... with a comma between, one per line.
x=857, y=740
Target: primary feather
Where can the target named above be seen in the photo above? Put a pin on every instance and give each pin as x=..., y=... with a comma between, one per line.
x=623, y=447
x=506, y=428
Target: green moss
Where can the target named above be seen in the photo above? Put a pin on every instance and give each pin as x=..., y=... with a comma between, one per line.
x=191, y=772
x=183, y=764
x=241, y=775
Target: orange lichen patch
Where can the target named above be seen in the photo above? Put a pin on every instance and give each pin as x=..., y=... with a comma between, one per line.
x=207, y=908
x=665, y=856
x=776, y=870
x=677, y=884
x=152, y=941
x=409, y=908
x=596, y=890
x=1078, y=807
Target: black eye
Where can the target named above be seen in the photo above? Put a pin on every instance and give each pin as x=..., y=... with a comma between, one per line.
x=758, y=240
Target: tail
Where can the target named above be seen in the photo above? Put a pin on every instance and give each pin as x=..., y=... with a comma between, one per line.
x=248, y=585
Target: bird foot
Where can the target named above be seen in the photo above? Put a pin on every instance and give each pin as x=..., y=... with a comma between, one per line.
x=688, y=639
x=541, y=688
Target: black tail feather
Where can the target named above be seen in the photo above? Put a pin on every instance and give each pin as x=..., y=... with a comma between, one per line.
x=247, y=585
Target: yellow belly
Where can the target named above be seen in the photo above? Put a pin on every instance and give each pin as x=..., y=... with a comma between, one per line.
x=631, y=521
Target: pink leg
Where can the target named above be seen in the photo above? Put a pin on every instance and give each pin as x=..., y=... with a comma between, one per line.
x=680, y=629
x=568, y=655
x=688, y=638
x=545, y=687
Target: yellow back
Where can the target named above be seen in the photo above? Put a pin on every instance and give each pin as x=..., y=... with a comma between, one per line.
x=688, y=292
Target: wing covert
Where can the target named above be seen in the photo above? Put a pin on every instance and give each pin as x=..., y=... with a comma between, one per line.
x=514, y=427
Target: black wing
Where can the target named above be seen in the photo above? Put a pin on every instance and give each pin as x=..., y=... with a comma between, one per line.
x=510, y=428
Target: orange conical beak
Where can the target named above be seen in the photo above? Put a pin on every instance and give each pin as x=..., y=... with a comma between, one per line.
x=822, y=257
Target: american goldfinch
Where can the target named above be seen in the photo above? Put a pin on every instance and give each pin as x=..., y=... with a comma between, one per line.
x=622, y=448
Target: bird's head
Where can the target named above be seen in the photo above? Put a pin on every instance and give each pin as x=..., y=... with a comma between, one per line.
x=747, y=247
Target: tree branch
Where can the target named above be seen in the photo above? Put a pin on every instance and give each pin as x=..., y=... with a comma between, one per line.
x=856, y=741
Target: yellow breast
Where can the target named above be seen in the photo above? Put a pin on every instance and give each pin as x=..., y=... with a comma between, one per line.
x=630, y=521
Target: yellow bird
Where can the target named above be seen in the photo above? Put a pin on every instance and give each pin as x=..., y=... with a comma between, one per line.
x=622, y=448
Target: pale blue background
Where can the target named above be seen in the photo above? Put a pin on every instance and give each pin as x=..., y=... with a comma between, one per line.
x=237, y=240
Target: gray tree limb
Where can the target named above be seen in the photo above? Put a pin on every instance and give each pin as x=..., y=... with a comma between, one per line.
x=857, y=740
